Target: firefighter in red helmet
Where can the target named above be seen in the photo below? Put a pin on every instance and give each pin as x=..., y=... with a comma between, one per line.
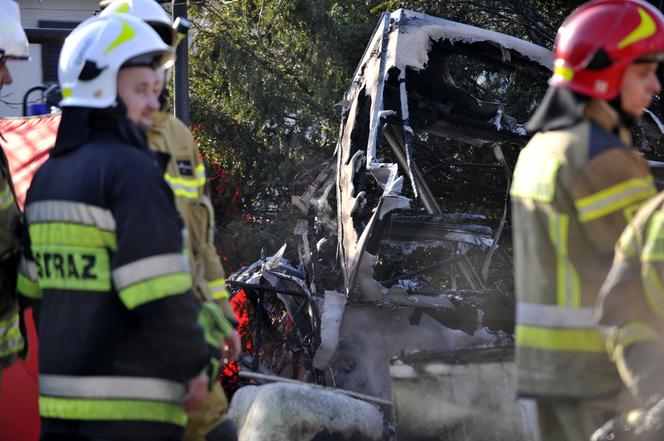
x=576, y=185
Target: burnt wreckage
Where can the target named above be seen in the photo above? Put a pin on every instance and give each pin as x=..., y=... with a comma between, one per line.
x=432, y=125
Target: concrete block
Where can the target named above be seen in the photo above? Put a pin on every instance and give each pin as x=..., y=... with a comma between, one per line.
x=291, y=412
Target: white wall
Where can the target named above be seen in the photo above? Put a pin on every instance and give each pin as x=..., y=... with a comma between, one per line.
x=27, y=74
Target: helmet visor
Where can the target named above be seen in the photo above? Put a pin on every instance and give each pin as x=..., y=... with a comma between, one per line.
x=6, y=57
x=153, y=60
x=651, y=58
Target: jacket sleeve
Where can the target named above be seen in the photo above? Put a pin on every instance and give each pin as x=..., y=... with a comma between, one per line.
x=606, y=194
x=630, y=311
x=150, y=271
x=11, y=341
x=213, y=271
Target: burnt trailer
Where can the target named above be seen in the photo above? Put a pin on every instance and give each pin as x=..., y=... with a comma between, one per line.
x=431, y=129
x=412, y=252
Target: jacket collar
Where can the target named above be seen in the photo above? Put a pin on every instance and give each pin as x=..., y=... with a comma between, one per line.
x=561, y=108
x=78, y=125
x=605, y=116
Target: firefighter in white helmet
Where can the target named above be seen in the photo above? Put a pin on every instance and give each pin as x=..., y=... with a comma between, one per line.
x=124, y=349
x=13, y=46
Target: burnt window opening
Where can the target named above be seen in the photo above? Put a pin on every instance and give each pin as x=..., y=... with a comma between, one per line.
x=468, y=99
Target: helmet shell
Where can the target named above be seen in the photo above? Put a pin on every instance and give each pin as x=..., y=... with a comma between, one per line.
x=13, y=41
x=600, y=40
x=149, y=11
x=94, y=52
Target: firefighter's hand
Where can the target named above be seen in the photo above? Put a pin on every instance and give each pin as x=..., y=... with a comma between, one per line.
x=230, y=348
x=197, y=390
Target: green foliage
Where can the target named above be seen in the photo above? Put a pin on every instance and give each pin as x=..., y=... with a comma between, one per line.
x=266, y=78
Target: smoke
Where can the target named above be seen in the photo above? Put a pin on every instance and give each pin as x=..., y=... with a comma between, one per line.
x=371, y=335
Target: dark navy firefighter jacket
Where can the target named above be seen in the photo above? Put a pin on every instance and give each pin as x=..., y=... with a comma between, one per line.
x=104, y=265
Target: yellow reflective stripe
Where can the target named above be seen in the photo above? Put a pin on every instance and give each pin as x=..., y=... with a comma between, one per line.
x=220, y=295
x=199, y=173
x=568, y=286
x=563, y=73
x=556, y=339
x=182, y=189
x=9, y=323
x=127, y=33
x=12, y=344
x=535, y=176
x=188, y=187
x=629, y=334
x=60, y=233
x=194, y=182
x=215, y=326
x=6, y=197
x=218, y=289
x=155, y=289
x=627, y=241
x=654, y=290
x=614, y=198
x=28, y=288
x=111, y=410
x=653, y=249
x=11, y=340
x=645, y=29
x=123, y=8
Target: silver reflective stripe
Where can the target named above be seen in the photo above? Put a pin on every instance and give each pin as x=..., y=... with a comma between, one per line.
x=120, y=388
x=552, y=316
x=67, y=211
x=28, y=268
x=149, y=268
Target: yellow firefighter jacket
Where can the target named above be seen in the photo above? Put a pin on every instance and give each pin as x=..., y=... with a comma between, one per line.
x=631, y=304
x=11, y=341
x=185, y=174
x=573, y=191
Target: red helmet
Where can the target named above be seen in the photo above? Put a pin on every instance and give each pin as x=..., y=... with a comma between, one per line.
x=600, y=39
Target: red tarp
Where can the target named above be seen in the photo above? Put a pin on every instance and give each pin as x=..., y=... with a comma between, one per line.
x=27, y=143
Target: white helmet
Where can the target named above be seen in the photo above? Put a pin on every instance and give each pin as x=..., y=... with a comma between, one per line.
x=13, y=42
x=97, y=49
x=149, y=11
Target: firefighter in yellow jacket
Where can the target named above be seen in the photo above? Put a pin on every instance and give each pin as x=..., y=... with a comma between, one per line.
x=631, y=309
x=13, y=45
x=576, y=185
x=185, y=174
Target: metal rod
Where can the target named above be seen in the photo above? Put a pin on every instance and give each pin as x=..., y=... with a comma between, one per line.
x=274, y=378
x=266, y=288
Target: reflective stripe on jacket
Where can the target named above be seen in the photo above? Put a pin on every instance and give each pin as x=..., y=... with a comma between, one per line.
x=631, y=304
x=572, y=194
